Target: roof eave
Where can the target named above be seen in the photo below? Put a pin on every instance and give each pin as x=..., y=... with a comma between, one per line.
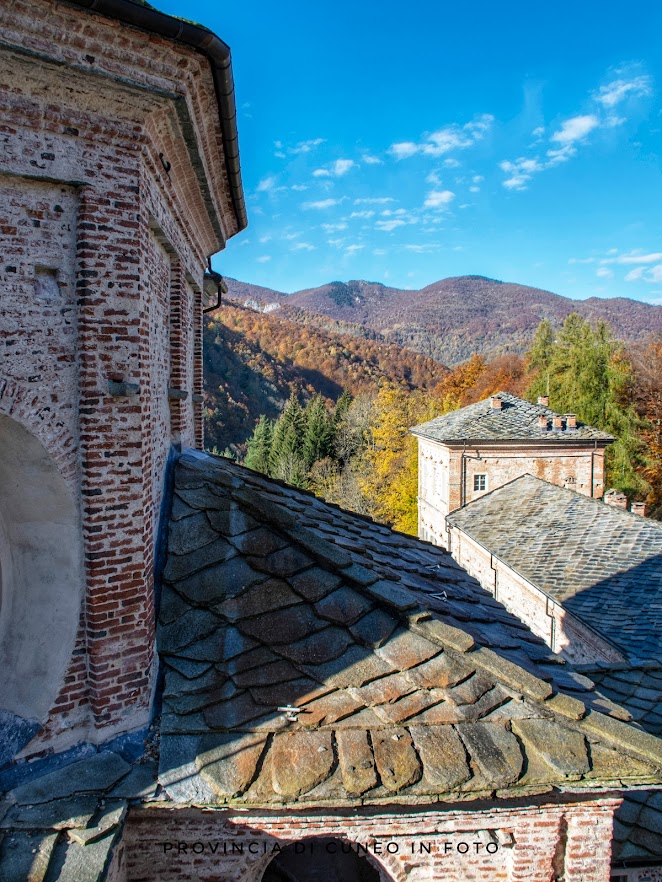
x=217, y=52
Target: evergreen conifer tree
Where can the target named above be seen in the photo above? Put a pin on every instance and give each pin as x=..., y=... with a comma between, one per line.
x=259, y=446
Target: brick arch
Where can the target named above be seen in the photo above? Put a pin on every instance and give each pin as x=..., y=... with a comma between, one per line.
x=330, y=858
x=41, y=419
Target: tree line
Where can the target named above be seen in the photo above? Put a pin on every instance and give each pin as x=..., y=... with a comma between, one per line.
x=358, y=452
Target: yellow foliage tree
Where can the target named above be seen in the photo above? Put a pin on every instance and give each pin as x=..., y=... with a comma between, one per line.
x=390, y=473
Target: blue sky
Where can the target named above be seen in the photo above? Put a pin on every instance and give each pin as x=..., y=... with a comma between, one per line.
x=403, y=143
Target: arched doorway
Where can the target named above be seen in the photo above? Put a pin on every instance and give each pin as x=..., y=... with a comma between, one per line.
x=322, y=860
x=41, y=575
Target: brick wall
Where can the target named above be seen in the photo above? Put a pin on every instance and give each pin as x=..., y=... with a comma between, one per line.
x=484, y=844
x=446, y=475
x=111, y=162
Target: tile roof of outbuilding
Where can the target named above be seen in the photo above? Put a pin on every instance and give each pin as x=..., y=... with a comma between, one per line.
x=405, y=681
x=517, y=420
x=602, y=563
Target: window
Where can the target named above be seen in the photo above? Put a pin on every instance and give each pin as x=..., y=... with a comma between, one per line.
x=480, y=483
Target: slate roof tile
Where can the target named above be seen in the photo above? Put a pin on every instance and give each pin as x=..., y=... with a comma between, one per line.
x=360, y=680
x=603, y=564
x=517, y=420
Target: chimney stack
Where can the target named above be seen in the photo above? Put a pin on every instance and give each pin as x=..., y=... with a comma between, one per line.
x=557, y=423
x=616, y=498
x=542, y=422
x=495, y=402
x=543, y=400
x=570, y=483
x=570, y=421
x=639, y=508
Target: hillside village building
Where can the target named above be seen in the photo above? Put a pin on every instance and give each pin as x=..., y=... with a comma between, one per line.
x=321, y=681
x=467, y=453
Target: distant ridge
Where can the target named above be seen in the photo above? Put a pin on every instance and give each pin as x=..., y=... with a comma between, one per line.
x=451, y=319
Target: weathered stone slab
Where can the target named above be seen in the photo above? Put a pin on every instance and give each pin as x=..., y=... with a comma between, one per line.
x=444, y=670
x=260, y=542
x=314, y=583
x=178, y=772
x=563, y=750
x=329, y=709
x=286, y=562
x=389, y=593
x=396, y=759
x=470, y=690
x=566, y=705
x=405, y=650
x=284, y=694
x=263, y=597
x=609, y=764
x=327, y=551
x=511, y=674
x=343, y=606
x=215, y=584
x=190, y=703
x=267, y=675
x=406, y=707
x=189, y=534
x=24, y=857
x=172, y=606
x=355, y=667
x=111, y=817
x=443, y=756
x=494, y=751
x=446, y=635
x=228, y=762
x=283, y=626
x=318, y=648
x=140, y=783
x=234, y=713
x=180, y=509
x=187, y=668
x=300, y=761
x=57, y=814
x=360, y=574
x=191, y=627
x=357, y=763
x=374, y=629
x=176, y=685
x=72, y=862
x=383, y=690
x=202, y=498
x=185, y=565
x=231, y=522
x=97, y=772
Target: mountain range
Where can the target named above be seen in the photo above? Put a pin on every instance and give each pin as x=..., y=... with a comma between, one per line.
x=449, y=320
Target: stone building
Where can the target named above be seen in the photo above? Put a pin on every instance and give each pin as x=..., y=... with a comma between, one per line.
x=330, y=699
x=119, y=178
x=467, y=453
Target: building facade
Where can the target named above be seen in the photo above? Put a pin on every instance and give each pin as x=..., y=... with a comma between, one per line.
x=472, y=451
x=119, y=178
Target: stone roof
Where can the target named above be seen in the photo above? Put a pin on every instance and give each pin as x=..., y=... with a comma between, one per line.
x=517, y=420
x=315, y=658
x=603, y=564
x=638, y=821
x=65, y=824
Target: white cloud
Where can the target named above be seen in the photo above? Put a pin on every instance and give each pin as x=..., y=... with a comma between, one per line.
x=520, y=172
x=299, y=187
x=421, y=249
x=652, y=275
x=267, y=185
x=264, y=239
x=451, y=163
x=306, y=146
x=362, y=214
x=290, y=236
x=616, y=91
x=474, y=189
x=477, y=179
x=538, y=132
x=438, y=198
x=352, y=249
x=264, y=259
x=388, y=212
x=635, y=274
x=379, y=252
x=302, y=246
x=389, y=225
x=337, y=169
x=322, y=203
x=575, y=128
x=604, y=273
x=446, y=139
x=334, y=228
x=434, y=179
x=371, y=160
x=634, y=257
x=374, y=200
